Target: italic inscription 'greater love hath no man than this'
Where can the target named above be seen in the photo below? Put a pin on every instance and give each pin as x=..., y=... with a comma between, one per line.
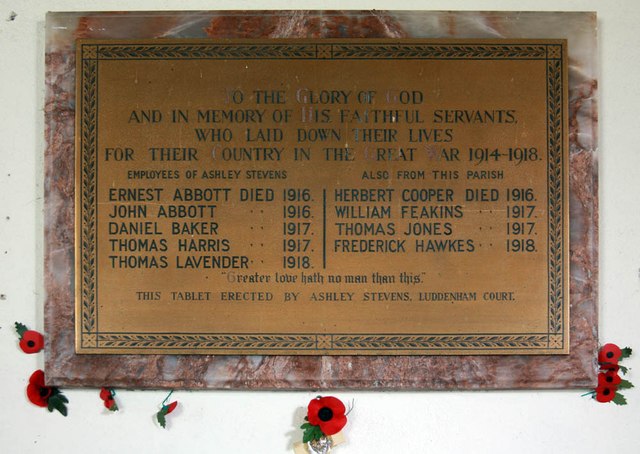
x=374, y=197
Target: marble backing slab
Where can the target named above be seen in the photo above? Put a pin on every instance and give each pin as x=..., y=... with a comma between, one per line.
x=64, y=368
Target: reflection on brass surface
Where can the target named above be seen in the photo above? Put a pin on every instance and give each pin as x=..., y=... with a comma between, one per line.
x=322, y=197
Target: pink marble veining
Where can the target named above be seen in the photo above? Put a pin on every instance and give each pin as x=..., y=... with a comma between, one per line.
x=65, y=368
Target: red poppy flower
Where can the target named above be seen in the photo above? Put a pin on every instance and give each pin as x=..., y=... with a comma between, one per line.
x=105, y=393
x=609, y=378
x=31, y=341
x=107, y=396
x=169, y=408
x=37, y=392
x=605, y=393
x=609, y=353
x=328, y=413
x=110, y=403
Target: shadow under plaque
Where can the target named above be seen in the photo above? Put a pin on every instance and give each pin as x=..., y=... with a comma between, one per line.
x=66, y=368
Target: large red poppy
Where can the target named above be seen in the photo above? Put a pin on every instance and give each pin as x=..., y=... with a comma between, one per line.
x=328, y=413
x=37, y=392
x=609, y=354
x=605, y=393
x=609, y=378
x=31, y=341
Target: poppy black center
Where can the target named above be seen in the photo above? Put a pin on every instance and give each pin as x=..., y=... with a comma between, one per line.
x=609, y=354
x=44, y=392
x=609, y=379
x=325, y=414
x=606, y=392
x=31, y=343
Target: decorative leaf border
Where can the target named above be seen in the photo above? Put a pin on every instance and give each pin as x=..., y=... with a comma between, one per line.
x=317, y=341
x=453, y=342
x=439, y=51
x=208, y=341
x=205, y=51
x=88, y=146
x=94, y=340
x=349, y=51
x=556, y=183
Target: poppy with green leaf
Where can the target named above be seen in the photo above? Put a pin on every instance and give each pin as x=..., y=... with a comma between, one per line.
x=45, y=396
x=609, y=382
x=30, y=341
x=108, y=398
x=325, y=417
x=165, y=410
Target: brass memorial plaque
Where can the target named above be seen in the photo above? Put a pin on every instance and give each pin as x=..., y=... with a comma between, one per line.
x=301, y=197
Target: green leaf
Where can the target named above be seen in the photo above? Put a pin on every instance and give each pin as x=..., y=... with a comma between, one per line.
x=58, y=403
x=21, y=329
x=625, y=384
x=306, y=425
x=312, y=433
x=161, y=419
x=623, y=369
x=619, y=399
x=626, y=352
x=317, y=433
x=62, y=408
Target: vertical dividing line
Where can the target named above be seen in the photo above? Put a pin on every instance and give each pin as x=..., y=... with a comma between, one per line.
x=324, y=229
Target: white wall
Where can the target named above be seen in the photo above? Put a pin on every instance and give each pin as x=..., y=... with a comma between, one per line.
x=266, y=422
